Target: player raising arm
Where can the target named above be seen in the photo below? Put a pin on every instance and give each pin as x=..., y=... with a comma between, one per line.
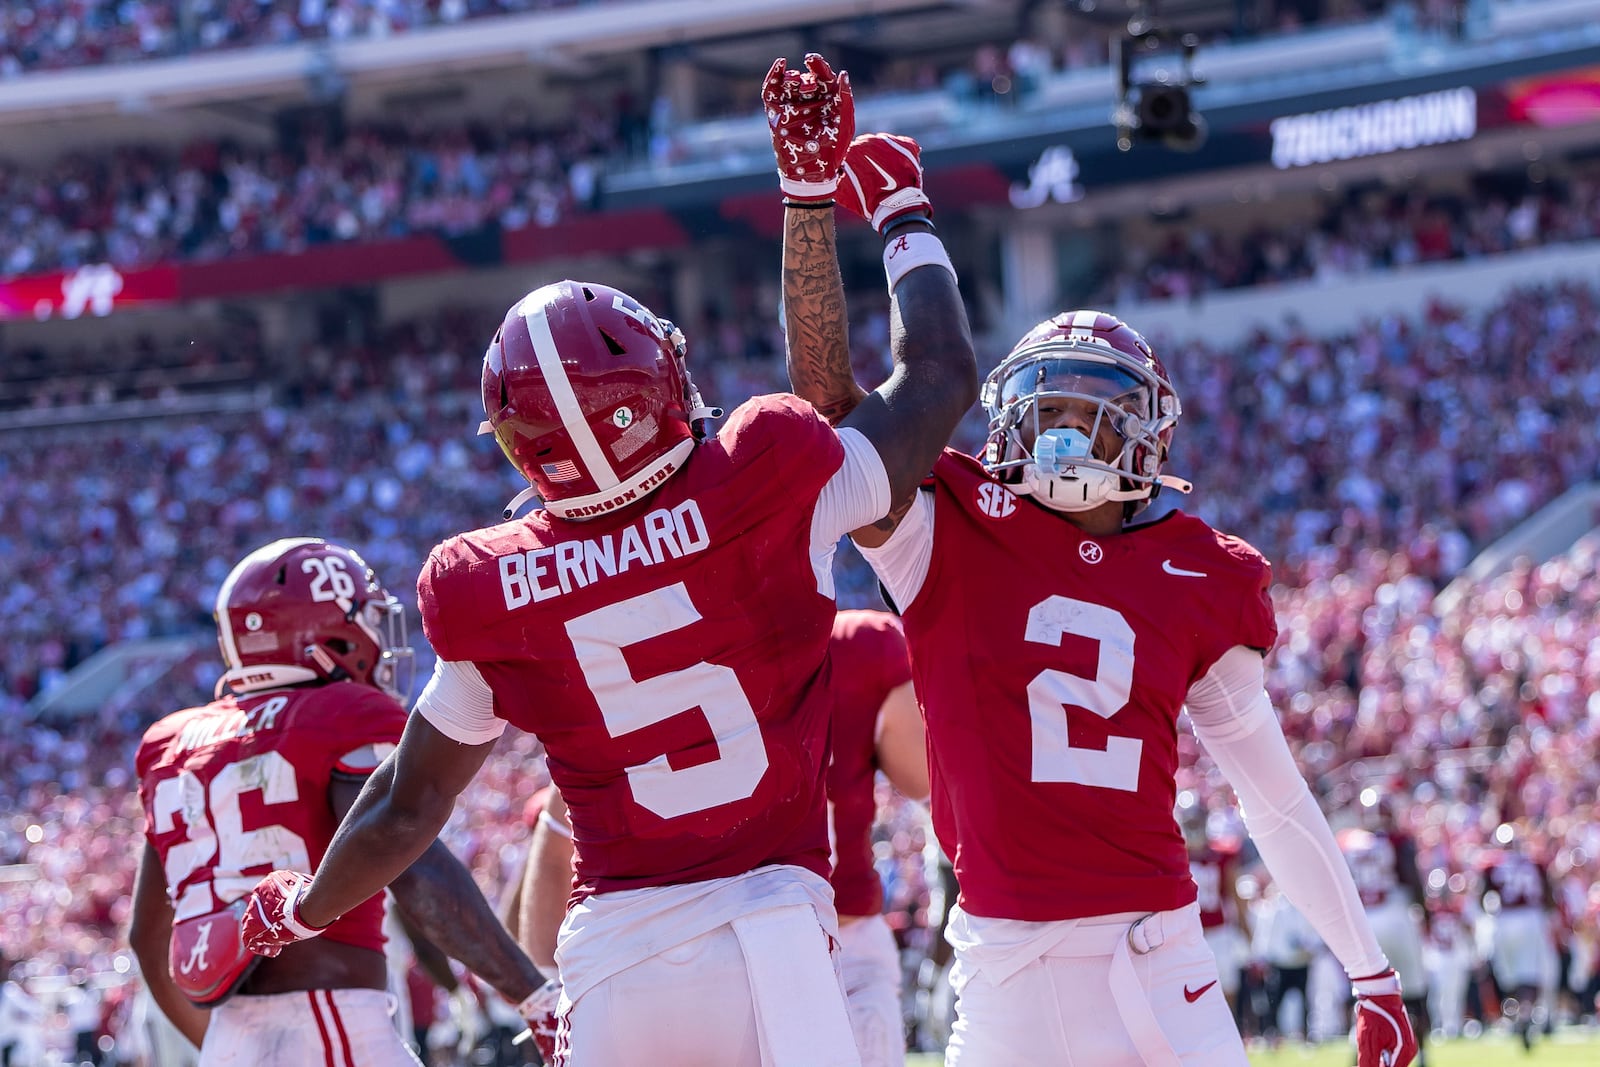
x=1055, y=643
x=259, y=778
x=661, y=626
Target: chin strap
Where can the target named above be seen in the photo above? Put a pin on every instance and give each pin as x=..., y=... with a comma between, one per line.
x=1172, y=481
x=519, y=500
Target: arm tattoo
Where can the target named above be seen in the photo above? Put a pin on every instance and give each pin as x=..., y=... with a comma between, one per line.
x=815, y=322
x=890, y=522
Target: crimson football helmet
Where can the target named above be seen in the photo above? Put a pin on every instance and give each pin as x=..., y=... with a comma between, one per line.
x=1082, y=356
x=589, y=396
x=306, y=610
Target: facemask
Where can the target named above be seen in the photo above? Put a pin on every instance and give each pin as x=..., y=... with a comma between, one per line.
x=1060, y=478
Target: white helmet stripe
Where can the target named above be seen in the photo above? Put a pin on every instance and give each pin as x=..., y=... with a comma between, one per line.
x=264, y=554
x=555, y=377
x=1082, y=326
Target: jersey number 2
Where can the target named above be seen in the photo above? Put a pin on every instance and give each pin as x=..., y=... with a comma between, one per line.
x=628, y=705
x=1105, y=694
x=215, y=828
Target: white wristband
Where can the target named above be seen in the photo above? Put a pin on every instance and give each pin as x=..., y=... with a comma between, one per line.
x=908, y=251
x=556, y=825
x=808, y=190
x=1385, y=983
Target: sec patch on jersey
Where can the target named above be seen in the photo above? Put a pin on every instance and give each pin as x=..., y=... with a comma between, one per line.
x=994, y=500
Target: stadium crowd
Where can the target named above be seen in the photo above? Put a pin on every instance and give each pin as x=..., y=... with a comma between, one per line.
x=71, y=34
x=1365, y=230
x=1375, y=488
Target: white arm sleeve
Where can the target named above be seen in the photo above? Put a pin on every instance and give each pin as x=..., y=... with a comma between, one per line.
x=901, y=562
x=857, y=494
x=459, y=704
x=1234, y=719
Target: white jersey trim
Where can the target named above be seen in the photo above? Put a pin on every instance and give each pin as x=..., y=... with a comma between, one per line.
x=1233, y=717
x=901, y=563
x=857, y=494
x=459, y=704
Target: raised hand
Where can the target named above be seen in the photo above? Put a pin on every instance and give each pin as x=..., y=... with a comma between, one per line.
x=271, y=919
x=883, y=179
x=811, y=115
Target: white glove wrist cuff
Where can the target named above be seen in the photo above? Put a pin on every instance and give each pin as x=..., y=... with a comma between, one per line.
x=907, y=252
x=898, y=202
x=291, y=914
x=1386, y=984
x=808, y=190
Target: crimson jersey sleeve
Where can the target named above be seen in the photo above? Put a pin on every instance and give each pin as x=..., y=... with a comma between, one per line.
x=784, y=437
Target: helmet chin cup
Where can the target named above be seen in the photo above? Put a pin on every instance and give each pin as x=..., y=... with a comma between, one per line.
x=1058, y=479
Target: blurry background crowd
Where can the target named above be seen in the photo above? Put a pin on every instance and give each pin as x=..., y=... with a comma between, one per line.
x=1378, y=461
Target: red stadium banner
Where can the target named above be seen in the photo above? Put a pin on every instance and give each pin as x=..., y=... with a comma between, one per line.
x=94, y=290
x=1565, y=98
x=101, y=289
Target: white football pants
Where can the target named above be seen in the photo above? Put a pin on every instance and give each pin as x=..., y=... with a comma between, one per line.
x=871, y=964
x=319, y=1028
x=1109, y=993
x=763, y=991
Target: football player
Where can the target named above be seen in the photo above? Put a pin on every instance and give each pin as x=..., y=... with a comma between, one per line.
x=1224, y=920
x=1055, y=640
x=258, y=780
x=876, y=726
x=1516, y=892
x=1383, y=862
x=661, y=625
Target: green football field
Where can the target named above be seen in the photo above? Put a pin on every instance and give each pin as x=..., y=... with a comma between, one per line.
x=1571, y=1048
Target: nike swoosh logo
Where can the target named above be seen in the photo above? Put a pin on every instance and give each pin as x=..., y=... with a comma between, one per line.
x=1192, y=995
x=1167, y=566
x=888, y=182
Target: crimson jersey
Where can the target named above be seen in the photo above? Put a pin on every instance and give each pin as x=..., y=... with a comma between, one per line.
x=1052, y=667
x=869, y=661
x=1212, y=871
x=1518, y=880
x=239, y=788
x=671, y=656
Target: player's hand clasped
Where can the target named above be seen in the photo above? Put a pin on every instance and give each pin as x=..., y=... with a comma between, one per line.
x=812, y=117
x=272, y=918
x=1383, y=1032
x=883, y=179
x=539, y=1012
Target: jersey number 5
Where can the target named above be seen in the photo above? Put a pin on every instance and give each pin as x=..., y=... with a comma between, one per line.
x=628, y=705
x=215, y=830
x=1105, y=694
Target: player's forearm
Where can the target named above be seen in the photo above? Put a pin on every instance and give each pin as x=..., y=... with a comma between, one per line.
x=150, y=949
x=814, y=317
x=379, y=838
x=546, y=886
x=931, y=342
x=446, y=906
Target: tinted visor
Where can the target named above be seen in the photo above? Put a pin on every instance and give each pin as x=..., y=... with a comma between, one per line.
x=1079, y=377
